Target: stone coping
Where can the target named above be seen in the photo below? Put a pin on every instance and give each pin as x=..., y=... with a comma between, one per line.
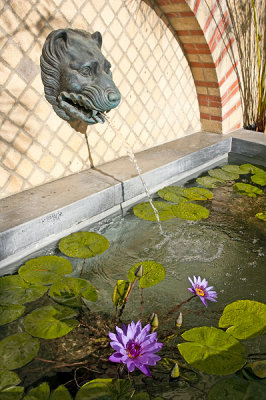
x=37, y=217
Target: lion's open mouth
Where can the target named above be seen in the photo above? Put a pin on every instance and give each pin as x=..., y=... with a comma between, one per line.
x=77, y=106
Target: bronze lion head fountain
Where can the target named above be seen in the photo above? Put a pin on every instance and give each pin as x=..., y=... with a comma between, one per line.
x=76, y=76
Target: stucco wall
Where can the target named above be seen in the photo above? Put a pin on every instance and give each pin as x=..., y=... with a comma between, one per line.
x=159, y=101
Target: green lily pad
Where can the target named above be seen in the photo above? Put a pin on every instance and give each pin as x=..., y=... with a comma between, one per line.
x=235, y=388
x=60, y=393
x=235, y=169
x=10, y=313
x=247, y=190
x=70, y=291
x=50, y=322
x=258, y=368
x=210, y=182
x=261, y=215
x=12, y=393
x=7, y=379
x=120, y=292
x=250, y=168
x=175, y=194
x=190, y=211
x=14, y=290
x=105, y=389
x=223, y=175
x=153, y=273
x=145, y=211
x=83, y=244
x=141, y=396
x=196, y=193
x=245, y=318
x=259, y=178
x=41, y=392
x=212, y=351
x=18, y=350
x=45, y=269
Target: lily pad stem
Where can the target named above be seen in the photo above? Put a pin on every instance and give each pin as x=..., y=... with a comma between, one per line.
x=176, y=308
x=127, y=297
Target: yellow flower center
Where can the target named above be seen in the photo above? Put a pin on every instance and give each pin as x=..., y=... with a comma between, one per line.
x=200, y=292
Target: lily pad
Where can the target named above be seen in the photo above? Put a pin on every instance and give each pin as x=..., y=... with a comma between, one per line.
x=141, y=396
x=83, y=244
x=235, y=388
x=10, y=313
x=7, y=379
x=105, y=389
x=212, y=351
x=175, y=194
x=190, y=211
x=50, y=322
x=70, y=291
x=60, y=393
x=14, y=290
x=261, y=215
x=196, y=193
x=45, y=269
x=247, y=190
x=153, y=273
x=224, y=175
x=259, y=178
x=258, y=368
x=235, y=169
x=12, y=393
x=18, y=350
x=120, y=292
x=250, y=168
x=245, y=318
x=41, y=392
x=210, y=182
x=145, y=211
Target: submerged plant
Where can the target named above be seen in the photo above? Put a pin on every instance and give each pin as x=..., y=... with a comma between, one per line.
x=135, y=347
x=202, y=290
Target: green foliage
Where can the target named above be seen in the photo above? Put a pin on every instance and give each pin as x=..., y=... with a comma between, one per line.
x=259, y=178
x=261, y=215
x=175, y=194
x=105, y=389
x=14, y=290
x=223, y=175
x=120, y=292
x=70, y=291
x=141, y=396
x=235, y=388
x=41, y=392
x=145, y=211
x=210, y=182
x=247, y=190
x=17, y=350
x=45, y=269
x=7, y=379
x=12, y=393
x=190, y=211
x=153, y=273
x=212, y=351
x=60, y=393
x=10, y=313
x=258, y=368
x=250, y=168
x=83, y=244
x=196, y=193
x=235, y=169
x=50, y=322
x=245, y=318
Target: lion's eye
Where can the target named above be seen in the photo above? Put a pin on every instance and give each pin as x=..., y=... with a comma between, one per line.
x=86, y=71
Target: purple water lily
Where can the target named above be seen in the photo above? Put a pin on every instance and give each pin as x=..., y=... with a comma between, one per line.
x=201, y=289
x=135, y=347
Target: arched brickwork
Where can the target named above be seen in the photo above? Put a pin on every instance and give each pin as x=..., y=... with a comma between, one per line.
x=201, y=29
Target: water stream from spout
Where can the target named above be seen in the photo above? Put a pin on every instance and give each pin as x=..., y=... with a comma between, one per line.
x=133, y=159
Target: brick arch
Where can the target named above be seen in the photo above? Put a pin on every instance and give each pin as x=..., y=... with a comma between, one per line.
x=201, y=30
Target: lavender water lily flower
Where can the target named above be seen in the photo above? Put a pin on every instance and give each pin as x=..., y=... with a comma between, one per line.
x=201, y=289
x=135, y=347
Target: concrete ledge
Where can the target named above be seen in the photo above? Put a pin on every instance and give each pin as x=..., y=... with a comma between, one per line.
x=37, y=217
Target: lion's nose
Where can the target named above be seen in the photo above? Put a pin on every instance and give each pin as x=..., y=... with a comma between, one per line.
x=114, y=97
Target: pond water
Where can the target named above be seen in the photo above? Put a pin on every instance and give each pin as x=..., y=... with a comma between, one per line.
x=228, y=249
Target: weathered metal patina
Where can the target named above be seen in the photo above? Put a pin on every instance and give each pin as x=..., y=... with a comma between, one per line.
x=77, y=77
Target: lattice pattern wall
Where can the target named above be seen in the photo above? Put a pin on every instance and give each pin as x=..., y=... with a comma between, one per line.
x=159, y=101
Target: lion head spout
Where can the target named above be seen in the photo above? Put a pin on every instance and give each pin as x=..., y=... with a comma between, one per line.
x=76, y=76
